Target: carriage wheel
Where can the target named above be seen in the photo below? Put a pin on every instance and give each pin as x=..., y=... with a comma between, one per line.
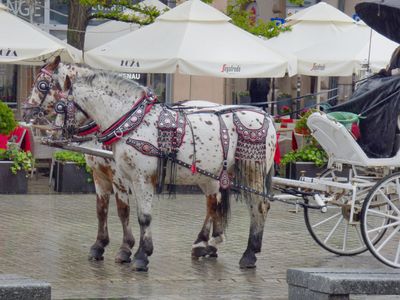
x=332, y=229
x=381, y=214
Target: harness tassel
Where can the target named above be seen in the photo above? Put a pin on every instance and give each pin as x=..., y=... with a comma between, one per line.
x=194, y=168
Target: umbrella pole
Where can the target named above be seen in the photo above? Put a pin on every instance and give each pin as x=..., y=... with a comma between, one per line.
x=190, y=87
x=318, y=91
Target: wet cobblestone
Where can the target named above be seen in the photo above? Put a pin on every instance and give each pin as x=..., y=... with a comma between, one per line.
x=48, y=237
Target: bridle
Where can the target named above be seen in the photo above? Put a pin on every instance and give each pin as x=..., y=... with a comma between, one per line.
x=44, y=86
x=64, y=106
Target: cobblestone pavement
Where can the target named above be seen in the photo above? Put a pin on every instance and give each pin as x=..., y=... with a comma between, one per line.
x=48, y=237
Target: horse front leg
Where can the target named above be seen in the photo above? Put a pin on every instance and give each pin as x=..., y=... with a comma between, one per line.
x=144, y=199
x=103, y=190
x=258, y=208
x=128, y=241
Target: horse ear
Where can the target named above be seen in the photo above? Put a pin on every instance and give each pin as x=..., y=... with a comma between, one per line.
x=54, y=64
x=67, y=83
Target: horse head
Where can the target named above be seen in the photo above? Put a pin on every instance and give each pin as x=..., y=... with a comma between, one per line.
x=51, y=101
x=45, y=91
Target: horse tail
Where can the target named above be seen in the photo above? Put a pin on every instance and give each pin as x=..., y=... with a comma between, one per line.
x=268, y=180
x=224, y=207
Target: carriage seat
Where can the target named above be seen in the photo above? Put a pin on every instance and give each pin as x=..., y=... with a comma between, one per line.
x=341, y=146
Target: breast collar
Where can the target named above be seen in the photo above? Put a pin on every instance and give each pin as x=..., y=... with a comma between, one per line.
x=129, y=121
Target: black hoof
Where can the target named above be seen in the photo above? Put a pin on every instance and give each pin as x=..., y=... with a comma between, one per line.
x=212, y=251
x=123, y=256
x=248, y=261
x=199, y=252
x=96, y=253
x=140, y=265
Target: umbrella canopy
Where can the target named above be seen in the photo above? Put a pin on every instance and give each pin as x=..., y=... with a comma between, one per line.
x=332, y=46
x=108, y=31
x=193, y=38
x=311, y=26
x=24, y=43
x=383, y=16
x=320, y=12
x=345, y=54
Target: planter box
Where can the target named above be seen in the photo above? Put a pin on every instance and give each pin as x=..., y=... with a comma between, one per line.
x=71, y=178
x=10, y=183
x=295, y=170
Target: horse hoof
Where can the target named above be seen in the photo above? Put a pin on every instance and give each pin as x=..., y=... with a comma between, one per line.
x=248, y=261
x=123, y=256
x=140, y=265
x=199, y=252
x=212, y=251
x=96, y=253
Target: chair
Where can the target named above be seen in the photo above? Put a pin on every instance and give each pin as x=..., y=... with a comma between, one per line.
x=41, y=153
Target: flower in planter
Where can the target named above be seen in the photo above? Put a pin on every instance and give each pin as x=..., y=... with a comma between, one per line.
x=286, y=110
x=301, y=125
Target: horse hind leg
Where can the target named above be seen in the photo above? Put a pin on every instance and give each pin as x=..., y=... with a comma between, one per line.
x=128, y=241
x=258, y=208
x=103, y=191
x=217, y=216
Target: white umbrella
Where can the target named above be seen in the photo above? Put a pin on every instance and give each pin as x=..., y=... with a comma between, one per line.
x=108, y=31
x=347, y=53
x=326, y=42
x=193, y=38
x=24, y=43
x=311, y=26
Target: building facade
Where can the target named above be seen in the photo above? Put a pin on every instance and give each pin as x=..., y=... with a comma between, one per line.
x=51, y=16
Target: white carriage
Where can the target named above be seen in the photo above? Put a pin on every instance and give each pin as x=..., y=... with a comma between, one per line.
x=354, y=205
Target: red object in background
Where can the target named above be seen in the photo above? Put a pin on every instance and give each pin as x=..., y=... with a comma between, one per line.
x=277, y=157
x=355, y=130
x=3, y=141
x=15, y=136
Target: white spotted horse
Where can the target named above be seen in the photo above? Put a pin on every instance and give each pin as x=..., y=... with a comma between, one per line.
x=216, y=148
x=45, y=94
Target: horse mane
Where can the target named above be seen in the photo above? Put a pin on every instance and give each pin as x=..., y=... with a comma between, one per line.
x=111, y=80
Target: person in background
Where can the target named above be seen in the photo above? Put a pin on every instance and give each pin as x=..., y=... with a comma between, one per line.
x=259, y=90
x=394, y=65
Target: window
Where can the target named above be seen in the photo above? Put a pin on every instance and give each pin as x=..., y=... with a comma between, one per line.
x=8, y=84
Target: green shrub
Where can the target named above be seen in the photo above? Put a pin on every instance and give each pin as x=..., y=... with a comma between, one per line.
x=21, y=160
x=70, y=156
x=309, y=153
x=7, y=120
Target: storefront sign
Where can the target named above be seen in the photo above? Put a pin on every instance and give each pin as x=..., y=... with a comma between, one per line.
x=22, y=8
x=132, y=76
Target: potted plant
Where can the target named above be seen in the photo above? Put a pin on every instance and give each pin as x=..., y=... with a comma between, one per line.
x=301, y=130
x=309, y=160
x=284, y=103
x=71, y=173
x=14, y=163
x=244, y=97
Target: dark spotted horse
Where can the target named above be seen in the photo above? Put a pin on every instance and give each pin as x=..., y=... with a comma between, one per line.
x=216, y=148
